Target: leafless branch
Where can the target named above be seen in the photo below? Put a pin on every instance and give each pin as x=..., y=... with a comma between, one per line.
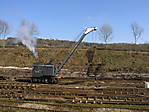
x=105, y=33
x=137, y=31
x=4, y=30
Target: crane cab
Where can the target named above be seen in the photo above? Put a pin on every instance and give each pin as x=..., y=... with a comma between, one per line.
x=44, y=73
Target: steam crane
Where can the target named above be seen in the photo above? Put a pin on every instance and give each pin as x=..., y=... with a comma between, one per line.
x=47, y=73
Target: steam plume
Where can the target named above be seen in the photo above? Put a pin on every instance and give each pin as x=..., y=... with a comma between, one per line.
x=26, y=34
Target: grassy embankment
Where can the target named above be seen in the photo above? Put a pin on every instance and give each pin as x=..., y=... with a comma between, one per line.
x=110, y=60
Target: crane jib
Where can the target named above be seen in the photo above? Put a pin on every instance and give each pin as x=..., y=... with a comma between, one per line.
x=87, y=30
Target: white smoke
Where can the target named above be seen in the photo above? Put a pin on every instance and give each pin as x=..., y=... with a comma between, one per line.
x=26, y=34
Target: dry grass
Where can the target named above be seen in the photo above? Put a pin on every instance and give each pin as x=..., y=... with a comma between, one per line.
x=119, y=61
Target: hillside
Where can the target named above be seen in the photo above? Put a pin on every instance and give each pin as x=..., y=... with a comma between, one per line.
x=11, y=42
x=108, y=60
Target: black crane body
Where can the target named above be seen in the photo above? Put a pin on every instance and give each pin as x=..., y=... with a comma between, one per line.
x=48, y=73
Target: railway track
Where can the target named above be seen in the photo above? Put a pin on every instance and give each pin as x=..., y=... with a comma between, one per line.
x=89, y=98
x=82, y=95
x=60, y=105
x=17, y=85
x=60, y=93
x=91, y=78
x=106, y=78
x=26, y=108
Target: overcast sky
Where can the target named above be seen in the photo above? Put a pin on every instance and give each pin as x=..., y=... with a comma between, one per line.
x=65, y=19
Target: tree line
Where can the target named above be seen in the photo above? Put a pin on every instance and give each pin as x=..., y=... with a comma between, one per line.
x=105, y=31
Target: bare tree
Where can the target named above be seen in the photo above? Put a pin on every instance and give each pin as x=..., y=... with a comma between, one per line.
x=137, y=31
x=1, y=27
x=4, y=30
x=105, y=32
